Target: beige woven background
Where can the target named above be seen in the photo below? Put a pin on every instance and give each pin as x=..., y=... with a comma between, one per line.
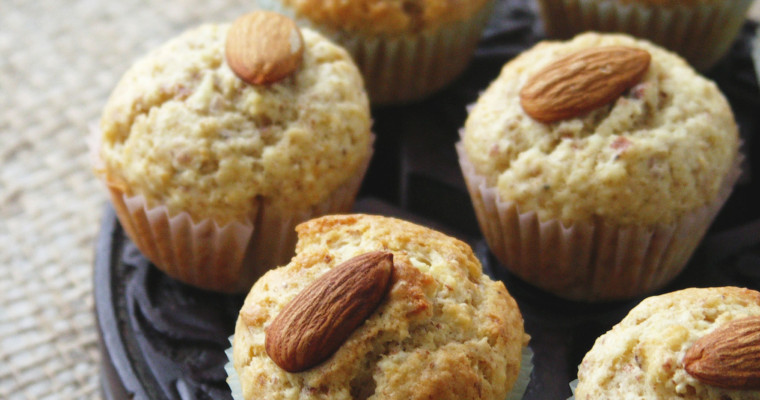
x=58, y=62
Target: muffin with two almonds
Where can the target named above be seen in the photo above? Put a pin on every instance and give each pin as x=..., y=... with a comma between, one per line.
x=701, y=31
x=216, y=145
x=377, y=308
x=596, y=165
x=690, y=344
x=406, y=50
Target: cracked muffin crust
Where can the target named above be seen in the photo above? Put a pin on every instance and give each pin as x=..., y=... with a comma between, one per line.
x=642, y=356
x=444, y=331
x=183, y=130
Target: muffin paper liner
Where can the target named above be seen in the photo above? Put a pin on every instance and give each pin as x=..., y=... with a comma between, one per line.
x=233, y=379
x=588, y=261
x=517, y=392
x=523, y=376
x=406, y=67
x=573, y=385
x=701, y=33
x=204, y=254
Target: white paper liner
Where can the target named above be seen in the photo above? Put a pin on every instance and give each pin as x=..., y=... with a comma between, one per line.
x=573, y=386
x=588, y=261
x=405, y=68
x=701, y=33
x=517, y=392
x=523, y=376
x=233, y=379
x=225, y=258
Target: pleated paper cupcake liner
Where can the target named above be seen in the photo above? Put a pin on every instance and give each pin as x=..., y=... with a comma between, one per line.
x=702, y=33
x=233, y=379
x=573, y=384
x=517, y=392
x=225, y=258
x=588, y=261
x=406, y=67
x=523, y=376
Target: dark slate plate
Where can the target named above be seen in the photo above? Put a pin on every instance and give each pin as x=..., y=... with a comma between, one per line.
x=164, y=340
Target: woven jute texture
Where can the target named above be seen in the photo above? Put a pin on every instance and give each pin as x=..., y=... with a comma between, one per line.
x=58, y=62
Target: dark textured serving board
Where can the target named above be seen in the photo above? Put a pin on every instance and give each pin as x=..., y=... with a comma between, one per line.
x=164, y=340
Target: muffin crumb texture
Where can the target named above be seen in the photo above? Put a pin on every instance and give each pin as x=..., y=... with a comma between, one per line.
x=184, y=131
x=444, y=331
x=659, y=151
x=642, y=356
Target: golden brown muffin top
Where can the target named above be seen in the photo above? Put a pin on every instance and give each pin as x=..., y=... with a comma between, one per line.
x=657, y=152
x=444, y=331
x=184, y=131
x=642, y=356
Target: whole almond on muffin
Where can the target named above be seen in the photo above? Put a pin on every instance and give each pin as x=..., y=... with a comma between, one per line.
x=729, y=356
x=264, y=47
x=582, y=81
x=318, y=320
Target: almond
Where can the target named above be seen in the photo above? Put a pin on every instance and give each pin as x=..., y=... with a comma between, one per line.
x=312, y=326
x=728, y=357
x=582, y=81
x=264, y=47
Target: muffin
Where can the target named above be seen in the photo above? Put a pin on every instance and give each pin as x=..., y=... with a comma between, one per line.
x=701, y=31
x=406, y=50
x=666, y=346
x=209, y=174
x=443, y=329
x=595, y=166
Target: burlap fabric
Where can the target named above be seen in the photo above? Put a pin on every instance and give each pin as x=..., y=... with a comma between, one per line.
x=58, y=62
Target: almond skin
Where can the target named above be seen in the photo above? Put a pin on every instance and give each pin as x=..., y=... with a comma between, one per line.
x=264, y=47
x=582, y=81
x=312, y=326
x=728, y=357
